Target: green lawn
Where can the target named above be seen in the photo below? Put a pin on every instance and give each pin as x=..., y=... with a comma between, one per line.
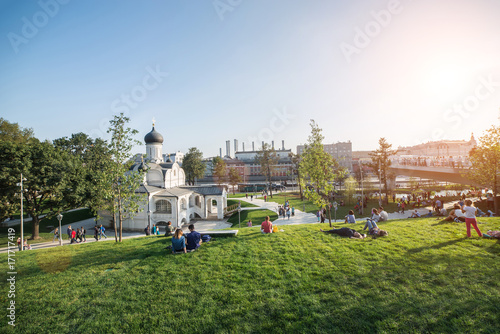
x=257, y=217
x=425, y=277
x=68, y=218
x=243, y=203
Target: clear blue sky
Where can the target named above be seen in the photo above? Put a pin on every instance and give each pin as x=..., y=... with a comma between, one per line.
x=227, y=72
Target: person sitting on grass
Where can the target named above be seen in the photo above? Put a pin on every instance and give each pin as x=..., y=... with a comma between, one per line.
x=266, y=226
x=384, y=216
x=178, y=242
x=429, y=214
x=375, y=215
x=346, y=232
x=169, y=230
x=350, y=218
x=249, y=224
x=459, y=214
x=415, y=214
x=193, y=239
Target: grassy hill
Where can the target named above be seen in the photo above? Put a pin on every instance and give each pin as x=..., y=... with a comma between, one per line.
x=424, y=277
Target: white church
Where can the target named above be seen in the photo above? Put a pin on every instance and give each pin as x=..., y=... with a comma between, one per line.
x=168, y=196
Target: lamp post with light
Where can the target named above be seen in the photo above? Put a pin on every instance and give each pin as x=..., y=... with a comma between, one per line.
x=60, y=217
x=22, y=211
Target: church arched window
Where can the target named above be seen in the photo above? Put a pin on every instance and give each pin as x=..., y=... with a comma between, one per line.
x=163, y=206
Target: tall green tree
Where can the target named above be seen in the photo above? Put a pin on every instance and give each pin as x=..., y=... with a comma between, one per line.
x=318, y=170
x=96, y=158
x=123, y=198
x=12, y=132
x=267, y=159
x=485, y=162
x=234, y=177
x=381, y=162
x=53, y=180
x=193, y=165
x=218, y=170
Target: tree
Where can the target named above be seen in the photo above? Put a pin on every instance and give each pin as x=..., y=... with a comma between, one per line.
x=381, y=163
x=219, y=170
x=234, y=177
x=485, y=162
x=122, y=183
x=350, y=188
x=12, y=132
x=318, y=169
x=96, y=158
x=267, y=159
x=193, y=165
x=53, y=180
x=295, y=163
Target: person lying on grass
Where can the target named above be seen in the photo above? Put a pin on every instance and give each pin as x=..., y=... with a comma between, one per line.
x=346, y=232
x=374, y=230
x=178, y=242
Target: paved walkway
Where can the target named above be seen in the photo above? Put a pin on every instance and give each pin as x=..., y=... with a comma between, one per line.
x=88, y=224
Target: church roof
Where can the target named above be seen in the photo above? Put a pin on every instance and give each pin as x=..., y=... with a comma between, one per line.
x=153, y=137
x=172, y=192
x=207, y=190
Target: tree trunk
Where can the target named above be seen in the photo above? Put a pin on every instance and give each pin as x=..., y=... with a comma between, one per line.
x=36, y=228
x=329, y=215
x=120, y=217
x=114, y=225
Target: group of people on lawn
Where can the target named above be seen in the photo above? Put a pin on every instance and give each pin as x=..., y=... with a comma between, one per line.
x=185, y=243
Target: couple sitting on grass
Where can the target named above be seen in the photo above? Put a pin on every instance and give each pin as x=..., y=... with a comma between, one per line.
x=371, y=224
x=189, y=243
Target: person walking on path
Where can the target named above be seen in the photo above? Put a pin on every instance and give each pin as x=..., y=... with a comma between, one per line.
x=56, y=234
x=470, y=218
x=102, y=232
x=96, y=232
x=68, y=231
x=84, y=232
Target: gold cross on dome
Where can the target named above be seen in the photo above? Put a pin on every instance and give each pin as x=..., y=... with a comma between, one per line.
x=154, y=121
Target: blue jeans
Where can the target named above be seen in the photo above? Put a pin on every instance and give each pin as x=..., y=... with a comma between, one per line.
x=370, y=224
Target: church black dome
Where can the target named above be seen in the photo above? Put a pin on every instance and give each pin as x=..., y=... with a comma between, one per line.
x=154, y=137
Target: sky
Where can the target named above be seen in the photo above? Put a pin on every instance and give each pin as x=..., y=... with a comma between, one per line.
x=208, y=71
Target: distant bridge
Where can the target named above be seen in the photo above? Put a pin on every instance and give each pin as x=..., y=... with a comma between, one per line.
x=441, y=173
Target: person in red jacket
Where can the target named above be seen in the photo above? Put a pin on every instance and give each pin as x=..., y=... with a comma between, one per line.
x=266, y=226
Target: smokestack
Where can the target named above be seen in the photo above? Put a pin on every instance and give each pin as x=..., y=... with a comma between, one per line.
x=235, y=146
x=228, y=148
x=272, y=144
x=220, y=152
x=253, y=146
x=283, y=145
x=243, y=144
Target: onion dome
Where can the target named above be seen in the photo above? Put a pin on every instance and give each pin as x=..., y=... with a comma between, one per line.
x=153, y=137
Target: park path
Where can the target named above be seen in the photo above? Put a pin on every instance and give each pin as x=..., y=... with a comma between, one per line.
x=299, y=218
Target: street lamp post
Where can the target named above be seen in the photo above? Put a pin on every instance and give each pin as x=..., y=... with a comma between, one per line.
x=22, y=211
x=60, y=217
x=362, y=193
x=239, y=217
x=149, y=219
x=379, y=184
